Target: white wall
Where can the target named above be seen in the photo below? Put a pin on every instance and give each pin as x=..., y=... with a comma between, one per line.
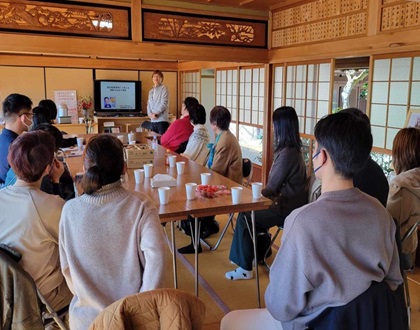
x=208, y=98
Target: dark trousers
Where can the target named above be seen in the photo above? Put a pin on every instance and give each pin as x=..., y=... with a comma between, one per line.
x=242, y=249
x=159, y=127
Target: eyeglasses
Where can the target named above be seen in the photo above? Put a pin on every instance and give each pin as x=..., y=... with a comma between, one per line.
x=28, y=114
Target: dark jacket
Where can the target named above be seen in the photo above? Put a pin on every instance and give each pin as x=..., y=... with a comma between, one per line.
x=372, y=181
x=286, y=184
x=21, y=308
x=377, y=308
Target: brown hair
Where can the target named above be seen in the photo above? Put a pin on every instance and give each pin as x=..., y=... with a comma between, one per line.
x=221, y=117
x=406, y=150
x=159, y=73
x=103, y=160
x=30, y=154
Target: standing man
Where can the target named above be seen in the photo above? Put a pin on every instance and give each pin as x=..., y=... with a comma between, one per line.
x=17, y=113
x=158, y=104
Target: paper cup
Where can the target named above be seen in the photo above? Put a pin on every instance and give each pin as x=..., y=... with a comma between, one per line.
x=81, y=120
x=205, y=178
x=180, y=167
x=121, y=138
x=164, y=195
x=80, y=142
x=236, y=194
x=256, y=190
x=139, y=176
x=131, y=138
x=172, y=161
x=190, y=189
x=148, y=170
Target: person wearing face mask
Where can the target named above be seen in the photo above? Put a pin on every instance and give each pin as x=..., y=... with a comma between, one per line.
x=17, y=113
x=334, y=249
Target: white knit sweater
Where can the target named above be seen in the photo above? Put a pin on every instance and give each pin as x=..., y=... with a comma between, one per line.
x=197, y=145
x=111, y=246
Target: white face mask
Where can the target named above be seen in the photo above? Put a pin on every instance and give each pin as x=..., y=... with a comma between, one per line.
x=25, y=118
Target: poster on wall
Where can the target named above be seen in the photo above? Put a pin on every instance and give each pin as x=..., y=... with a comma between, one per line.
x=413, y=118
x=66, y=101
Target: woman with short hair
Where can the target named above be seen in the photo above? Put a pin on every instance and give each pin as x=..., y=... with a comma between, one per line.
x=225, y=158
x=29, y=218
x=111, y=241
x=404, y=189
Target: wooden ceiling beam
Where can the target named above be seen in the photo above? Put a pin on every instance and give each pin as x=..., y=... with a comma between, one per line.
x=19, y=43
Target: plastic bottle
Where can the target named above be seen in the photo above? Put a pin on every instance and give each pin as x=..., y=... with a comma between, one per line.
x=154, y=142
x=168, y=153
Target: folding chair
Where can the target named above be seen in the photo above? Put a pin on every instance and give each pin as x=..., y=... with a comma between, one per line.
x=27, y=304
x=247, y=171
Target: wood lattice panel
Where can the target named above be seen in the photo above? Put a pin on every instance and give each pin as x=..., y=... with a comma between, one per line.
x=397, y=14
x=319, y=21
x=52, y=18
x=211, y=30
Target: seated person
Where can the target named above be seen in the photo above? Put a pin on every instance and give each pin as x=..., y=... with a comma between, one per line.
x=112, y=241
x=29, y=218
x=226, y=159
x=285, y=186
x=334, y=248
x=371, y=179
x=51, y=106
x=58, y=181
x=197, y=143
x=404, y=193
x=41, y=115
x=180, y=130
x=17, y=113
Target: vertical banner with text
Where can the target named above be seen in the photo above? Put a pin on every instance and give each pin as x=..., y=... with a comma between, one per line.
x=67, y=98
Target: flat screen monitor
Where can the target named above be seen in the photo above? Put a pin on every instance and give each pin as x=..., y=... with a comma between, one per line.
x=117, y=97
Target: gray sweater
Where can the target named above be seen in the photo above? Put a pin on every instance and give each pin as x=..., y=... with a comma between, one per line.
x=158, y=103
x=111, y=246
x=331, y=251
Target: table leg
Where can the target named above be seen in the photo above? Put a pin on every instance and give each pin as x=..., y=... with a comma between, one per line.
x=174, y=255
x=196, y=242
x=254, y=241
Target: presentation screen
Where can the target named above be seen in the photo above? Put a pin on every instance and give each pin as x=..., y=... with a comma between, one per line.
x=117, y=96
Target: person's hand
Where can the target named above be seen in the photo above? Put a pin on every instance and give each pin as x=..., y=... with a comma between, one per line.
x=57, y=170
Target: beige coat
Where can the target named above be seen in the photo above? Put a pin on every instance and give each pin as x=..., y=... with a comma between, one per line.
x=404, y=204
x=165, y=309
x=227, y=159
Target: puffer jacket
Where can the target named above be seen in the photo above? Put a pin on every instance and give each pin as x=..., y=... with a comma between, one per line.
x=404, y=204
x=166, y=309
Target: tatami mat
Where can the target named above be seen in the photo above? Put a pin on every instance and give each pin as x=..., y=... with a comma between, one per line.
x=221, y=295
